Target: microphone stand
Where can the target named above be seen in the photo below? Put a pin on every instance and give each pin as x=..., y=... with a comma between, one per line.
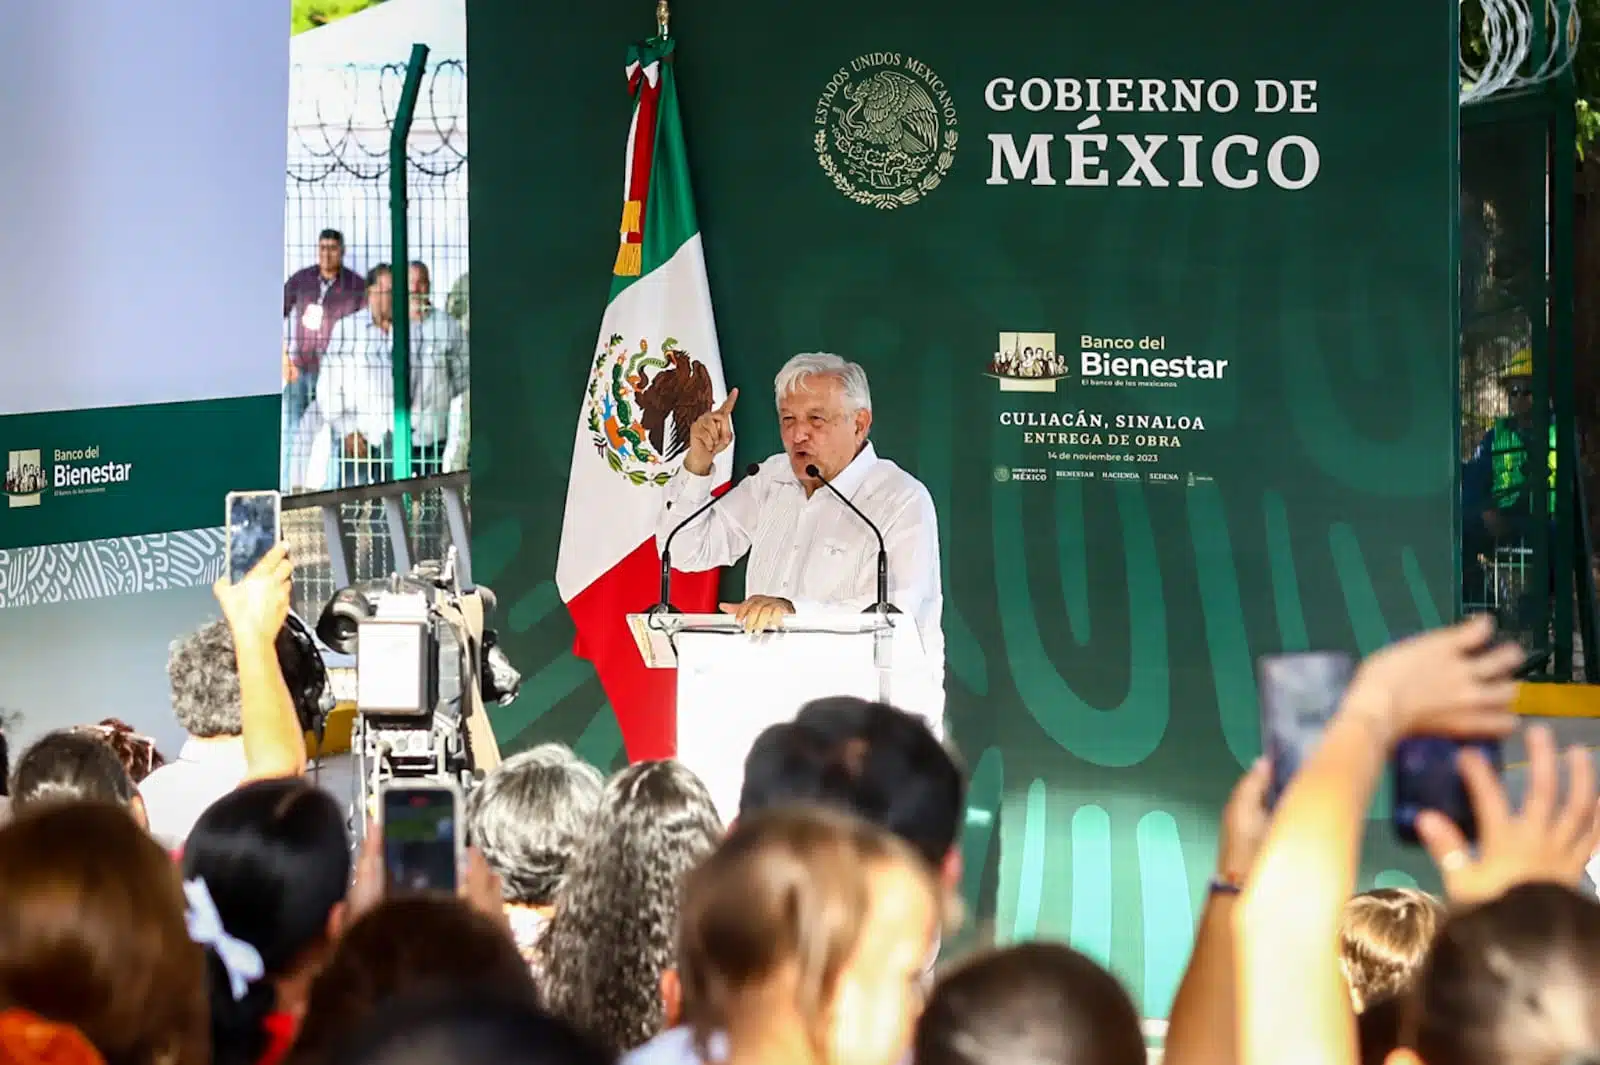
x=882, y=641
x=882, y=606
x=665, y=605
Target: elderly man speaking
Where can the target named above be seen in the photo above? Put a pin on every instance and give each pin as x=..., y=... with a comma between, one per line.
x=808, y=553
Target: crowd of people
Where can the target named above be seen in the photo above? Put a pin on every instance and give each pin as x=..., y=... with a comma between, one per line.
x=338, y=372
x=213, y=908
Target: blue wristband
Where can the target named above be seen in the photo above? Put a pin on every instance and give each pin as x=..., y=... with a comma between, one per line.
x=1219, y=886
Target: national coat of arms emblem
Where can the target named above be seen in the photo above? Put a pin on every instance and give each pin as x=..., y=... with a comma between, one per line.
x=641, y=406
x=886, y=131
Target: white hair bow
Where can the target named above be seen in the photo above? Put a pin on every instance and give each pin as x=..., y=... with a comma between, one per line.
x=240, y=959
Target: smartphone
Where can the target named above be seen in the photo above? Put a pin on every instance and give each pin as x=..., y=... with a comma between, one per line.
x=1299, y=693
x=1426, y=778
x=252, y=522
x=422, y=836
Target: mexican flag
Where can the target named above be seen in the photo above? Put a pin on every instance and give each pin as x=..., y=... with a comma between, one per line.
x=656, y=368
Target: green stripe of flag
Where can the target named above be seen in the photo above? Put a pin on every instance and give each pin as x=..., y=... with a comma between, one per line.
x=669, y=219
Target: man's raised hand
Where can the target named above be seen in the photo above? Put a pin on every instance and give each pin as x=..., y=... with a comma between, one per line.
x=710, y=436
x=256, y=607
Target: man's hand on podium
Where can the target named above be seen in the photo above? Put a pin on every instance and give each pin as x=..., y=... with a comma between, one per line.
x=760, y=613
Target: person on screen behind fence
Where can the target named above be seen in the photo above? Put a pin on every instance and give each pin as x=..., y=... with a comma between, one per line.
x=439, y=367
x=459, y=306
x=358, y=380
x=314, y=299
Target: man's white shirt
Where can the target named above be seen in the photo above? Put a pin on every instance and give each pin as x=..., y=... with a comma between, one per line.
x=814, y=551
x=179, y=792
x=356, y=387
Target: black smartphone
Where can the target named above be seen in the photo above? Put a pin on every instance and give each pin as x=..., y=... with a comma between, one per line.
x=422, y=839
x=1299, y=693
x=253, y=519
x=1426, y=778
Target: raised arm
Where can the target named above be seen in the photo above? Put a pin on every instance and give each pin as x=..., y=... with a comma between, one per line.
x=274, y=745
x=721, y=536
x=1292, y=1000
x=1203, y=1026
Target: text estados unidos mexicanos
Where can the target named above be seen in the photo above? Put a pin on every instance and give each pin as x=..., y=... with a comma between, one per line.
x=1151, y=160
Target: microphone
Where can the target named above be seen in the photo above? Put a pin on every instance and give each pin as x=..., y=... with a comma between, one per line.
x=882, y=606
x=665, y=605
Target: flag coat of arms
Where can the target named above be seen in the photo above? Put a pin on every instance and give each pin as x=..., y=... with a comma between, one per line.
x=656, y=367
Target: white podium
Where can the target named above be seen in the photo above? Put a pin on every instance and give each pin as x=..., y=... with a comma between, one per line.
x=732, y=686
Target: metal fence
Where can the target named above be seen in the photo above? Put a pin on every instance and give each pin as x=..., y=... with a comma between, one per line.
x=342, y=298
x=1522, y=543
x=1505, y=287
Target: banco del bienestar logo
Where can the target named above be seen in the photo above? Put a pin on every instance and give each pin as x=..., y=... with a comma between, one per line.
x=26, y=478
x=1028, y=362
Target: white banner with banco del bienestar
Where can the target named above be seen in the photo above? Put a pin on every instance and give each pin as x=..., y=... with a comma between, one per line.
x=141, y=231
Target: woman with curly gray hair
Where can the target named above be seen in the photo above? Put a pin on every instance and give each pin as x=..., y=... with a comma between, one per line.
x=528, y=819
x=613, y=935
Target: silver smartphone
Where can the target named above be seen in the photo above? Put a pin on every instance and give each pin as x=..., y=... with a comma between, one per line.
x=253, y=530
x=423, y=845
x=1299, y=693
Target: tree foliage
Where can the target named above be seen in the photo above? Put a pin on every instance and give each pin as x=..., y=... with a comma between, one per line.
x=1585, y=62
x=309, y=14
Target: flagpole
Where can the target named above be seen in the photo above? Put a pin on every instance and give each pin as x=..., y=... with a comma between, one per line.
x=663, y=16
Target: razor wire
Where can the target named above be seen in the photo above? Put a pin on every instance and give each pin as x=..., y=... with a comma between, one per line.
x=1506, y=31
x=340, y=119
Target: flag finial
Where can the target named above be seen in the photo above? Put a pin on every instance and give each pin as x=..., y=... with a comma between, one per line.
x=663, y=16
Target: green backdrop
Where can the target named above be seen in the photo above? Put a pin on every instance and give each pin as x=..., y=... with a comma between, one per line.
x=1105, y=598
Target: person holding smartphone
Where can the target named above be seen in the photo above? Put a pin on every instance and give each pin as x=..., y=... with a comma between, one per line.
x=1456, y=682
x=229, y=694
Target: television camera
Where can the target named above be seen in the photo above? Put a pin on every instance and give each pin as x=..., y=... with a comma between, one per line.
x=426, y=666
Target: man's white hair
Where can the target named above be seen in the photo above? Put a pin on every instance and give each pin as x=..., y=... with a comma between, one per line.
x=811, y=364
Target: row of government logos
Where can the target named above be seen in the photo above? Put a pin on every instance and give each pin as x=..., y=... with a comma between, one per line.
x=72, y=472
x=1004, y=474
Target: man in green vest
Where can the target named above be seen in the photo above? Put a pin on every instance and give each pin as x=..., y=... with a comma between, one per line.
x=1506, y=467
x=1500, y=507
